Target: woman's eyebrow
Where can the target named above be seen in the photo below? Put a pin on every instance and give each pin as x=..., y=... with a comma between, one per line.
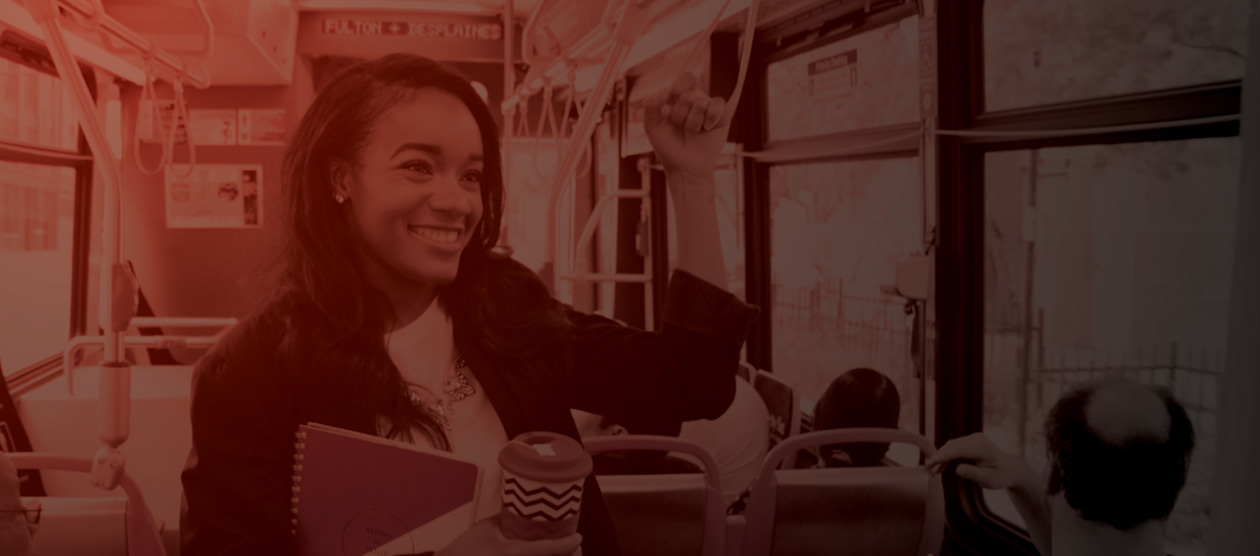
x=434, y=150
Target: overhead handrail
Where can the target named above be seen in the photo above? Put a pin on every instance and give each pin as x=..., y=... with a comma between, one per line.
x=581, y=250
x=114, y=407
x=117, y=283
x=629, y=27
x=85, y=9
x=80, y=343
x=625, y=38
x=545, y=116
x=184, y=322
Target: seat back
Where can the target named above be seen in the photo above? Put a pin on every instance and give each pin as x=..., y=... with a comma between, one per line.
x=664, y=515
x=82, y=527
x=866, y=510
x=782, y=403
x=656, y=514
x=746, y=371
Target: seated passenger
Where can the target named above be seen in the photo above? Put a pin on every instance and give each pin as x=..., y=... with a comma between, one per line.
x=17, y=521
x=1119, y=453
x=857, y=399
x=737, y=452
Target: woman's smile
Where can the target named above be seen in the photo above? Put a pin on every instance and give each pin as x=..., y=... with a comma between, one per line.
x=446, y=237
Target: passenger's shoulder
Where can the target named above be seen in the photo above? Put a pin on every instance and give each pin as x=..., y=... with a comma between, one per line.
x=248, y=347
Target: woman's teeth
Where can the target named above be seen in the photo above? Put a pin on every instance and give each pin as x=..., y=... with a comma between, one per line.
x=438, y=236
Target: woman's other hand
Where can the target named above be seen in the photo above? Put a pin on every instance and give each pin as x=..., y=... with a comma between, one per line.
x=484, y=538
x=686, y=127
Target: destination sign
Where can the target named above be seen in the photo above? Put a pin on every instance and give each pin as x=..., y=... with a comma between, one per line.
x=428, y=30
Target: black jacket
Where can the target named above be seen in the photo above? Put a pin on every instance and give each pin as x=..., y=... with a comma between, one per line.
x=244, y=414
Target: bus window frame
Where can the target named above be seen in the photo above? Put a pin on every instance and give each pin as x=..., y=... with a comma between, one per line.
x=974, y=527
x=82, y=163
x=780, y=42
x=869, y=23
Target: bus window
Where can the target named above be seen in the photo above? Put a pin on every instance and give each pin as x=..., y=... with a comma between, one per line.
x=1109, y=260
x=36, y=236
x=867, y=80
x=1039, y=52
x=837, y=232
x=35, y=109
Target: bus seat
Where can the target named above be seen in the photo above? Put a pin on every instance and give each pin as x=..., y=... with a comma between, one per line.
x=746, y=371
x=664, y=515
x=85, y=523
x=156, y=450
x=81, y=527
x=783, y=404
x=895, y=511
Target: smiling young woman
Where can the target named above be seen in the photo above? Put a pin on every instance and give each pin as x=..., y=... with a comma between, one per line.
x=393, y=317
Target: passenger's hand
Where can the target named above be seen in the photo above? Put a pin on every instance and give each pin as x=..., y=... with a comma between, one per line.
x=686, y=127
x=989, y=466
x=484, y=538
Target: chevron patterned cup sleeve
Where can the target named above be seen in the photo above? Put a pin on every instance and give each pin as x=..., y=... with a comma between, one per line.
x=534, y=510
x=543, y=477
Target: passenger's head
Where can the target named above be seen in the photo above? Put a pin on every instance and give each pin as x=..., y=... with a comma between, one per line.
x=1119, y=452
x=857, y=399
x=592, y=425
x=15, y=530
x=411, y=151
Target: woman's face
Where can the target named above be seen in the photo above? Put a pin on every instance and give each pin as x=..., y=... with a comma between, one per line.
x=416, y=191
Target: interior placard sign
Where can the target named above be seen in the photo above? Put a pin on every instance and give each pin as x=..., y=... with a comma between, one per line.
x=424, y=29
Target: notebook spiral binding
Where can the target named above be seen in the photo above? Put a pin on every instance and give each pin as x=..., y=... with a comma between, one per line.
x=299, y=447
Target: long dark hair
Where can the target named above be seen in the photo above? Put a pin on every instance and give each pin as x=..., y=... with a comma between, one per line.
x=334, y=320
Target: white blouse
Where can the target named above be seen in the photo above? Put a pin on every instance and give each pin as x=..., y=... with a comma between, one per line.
x=424, y=351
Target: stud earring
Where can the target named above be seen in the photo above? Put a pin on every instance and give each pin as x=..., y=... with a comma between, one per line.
x=339, y=198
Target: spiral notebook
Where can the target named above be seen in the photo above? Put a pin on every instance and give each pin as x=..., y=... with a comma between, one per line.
x=360, y=495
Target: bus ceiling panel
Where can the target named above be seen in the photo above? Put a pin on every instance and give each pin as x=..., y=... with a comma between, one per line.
x=253, y=42
x=371, y=34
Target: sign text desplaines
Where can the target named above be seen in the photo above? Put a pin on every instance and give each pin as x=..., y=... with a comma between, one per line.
x=428, y=30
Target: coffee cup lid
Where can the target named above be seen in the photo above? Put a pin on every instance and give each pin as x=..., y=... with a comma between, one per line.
x=546, y=457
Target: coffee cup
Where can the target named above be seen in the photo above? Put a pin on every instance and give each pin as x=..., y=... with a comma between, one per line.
x=543, y=477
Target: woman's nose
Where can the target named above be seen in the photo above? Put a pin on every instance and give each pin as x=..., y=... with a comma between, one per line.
x=450, y=198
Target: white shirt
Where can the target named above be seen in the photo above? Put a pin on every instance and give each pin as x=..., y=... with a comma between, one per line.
x=737, y=440
x=423, y=351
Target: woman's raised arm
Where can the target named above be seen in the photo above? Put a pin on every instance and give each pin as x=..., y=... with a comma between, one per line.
x=687, y=129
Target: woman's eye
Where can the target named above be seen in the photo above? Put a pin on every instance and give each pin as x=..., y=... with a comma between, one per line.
x=419, y=166
x=473, y=178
